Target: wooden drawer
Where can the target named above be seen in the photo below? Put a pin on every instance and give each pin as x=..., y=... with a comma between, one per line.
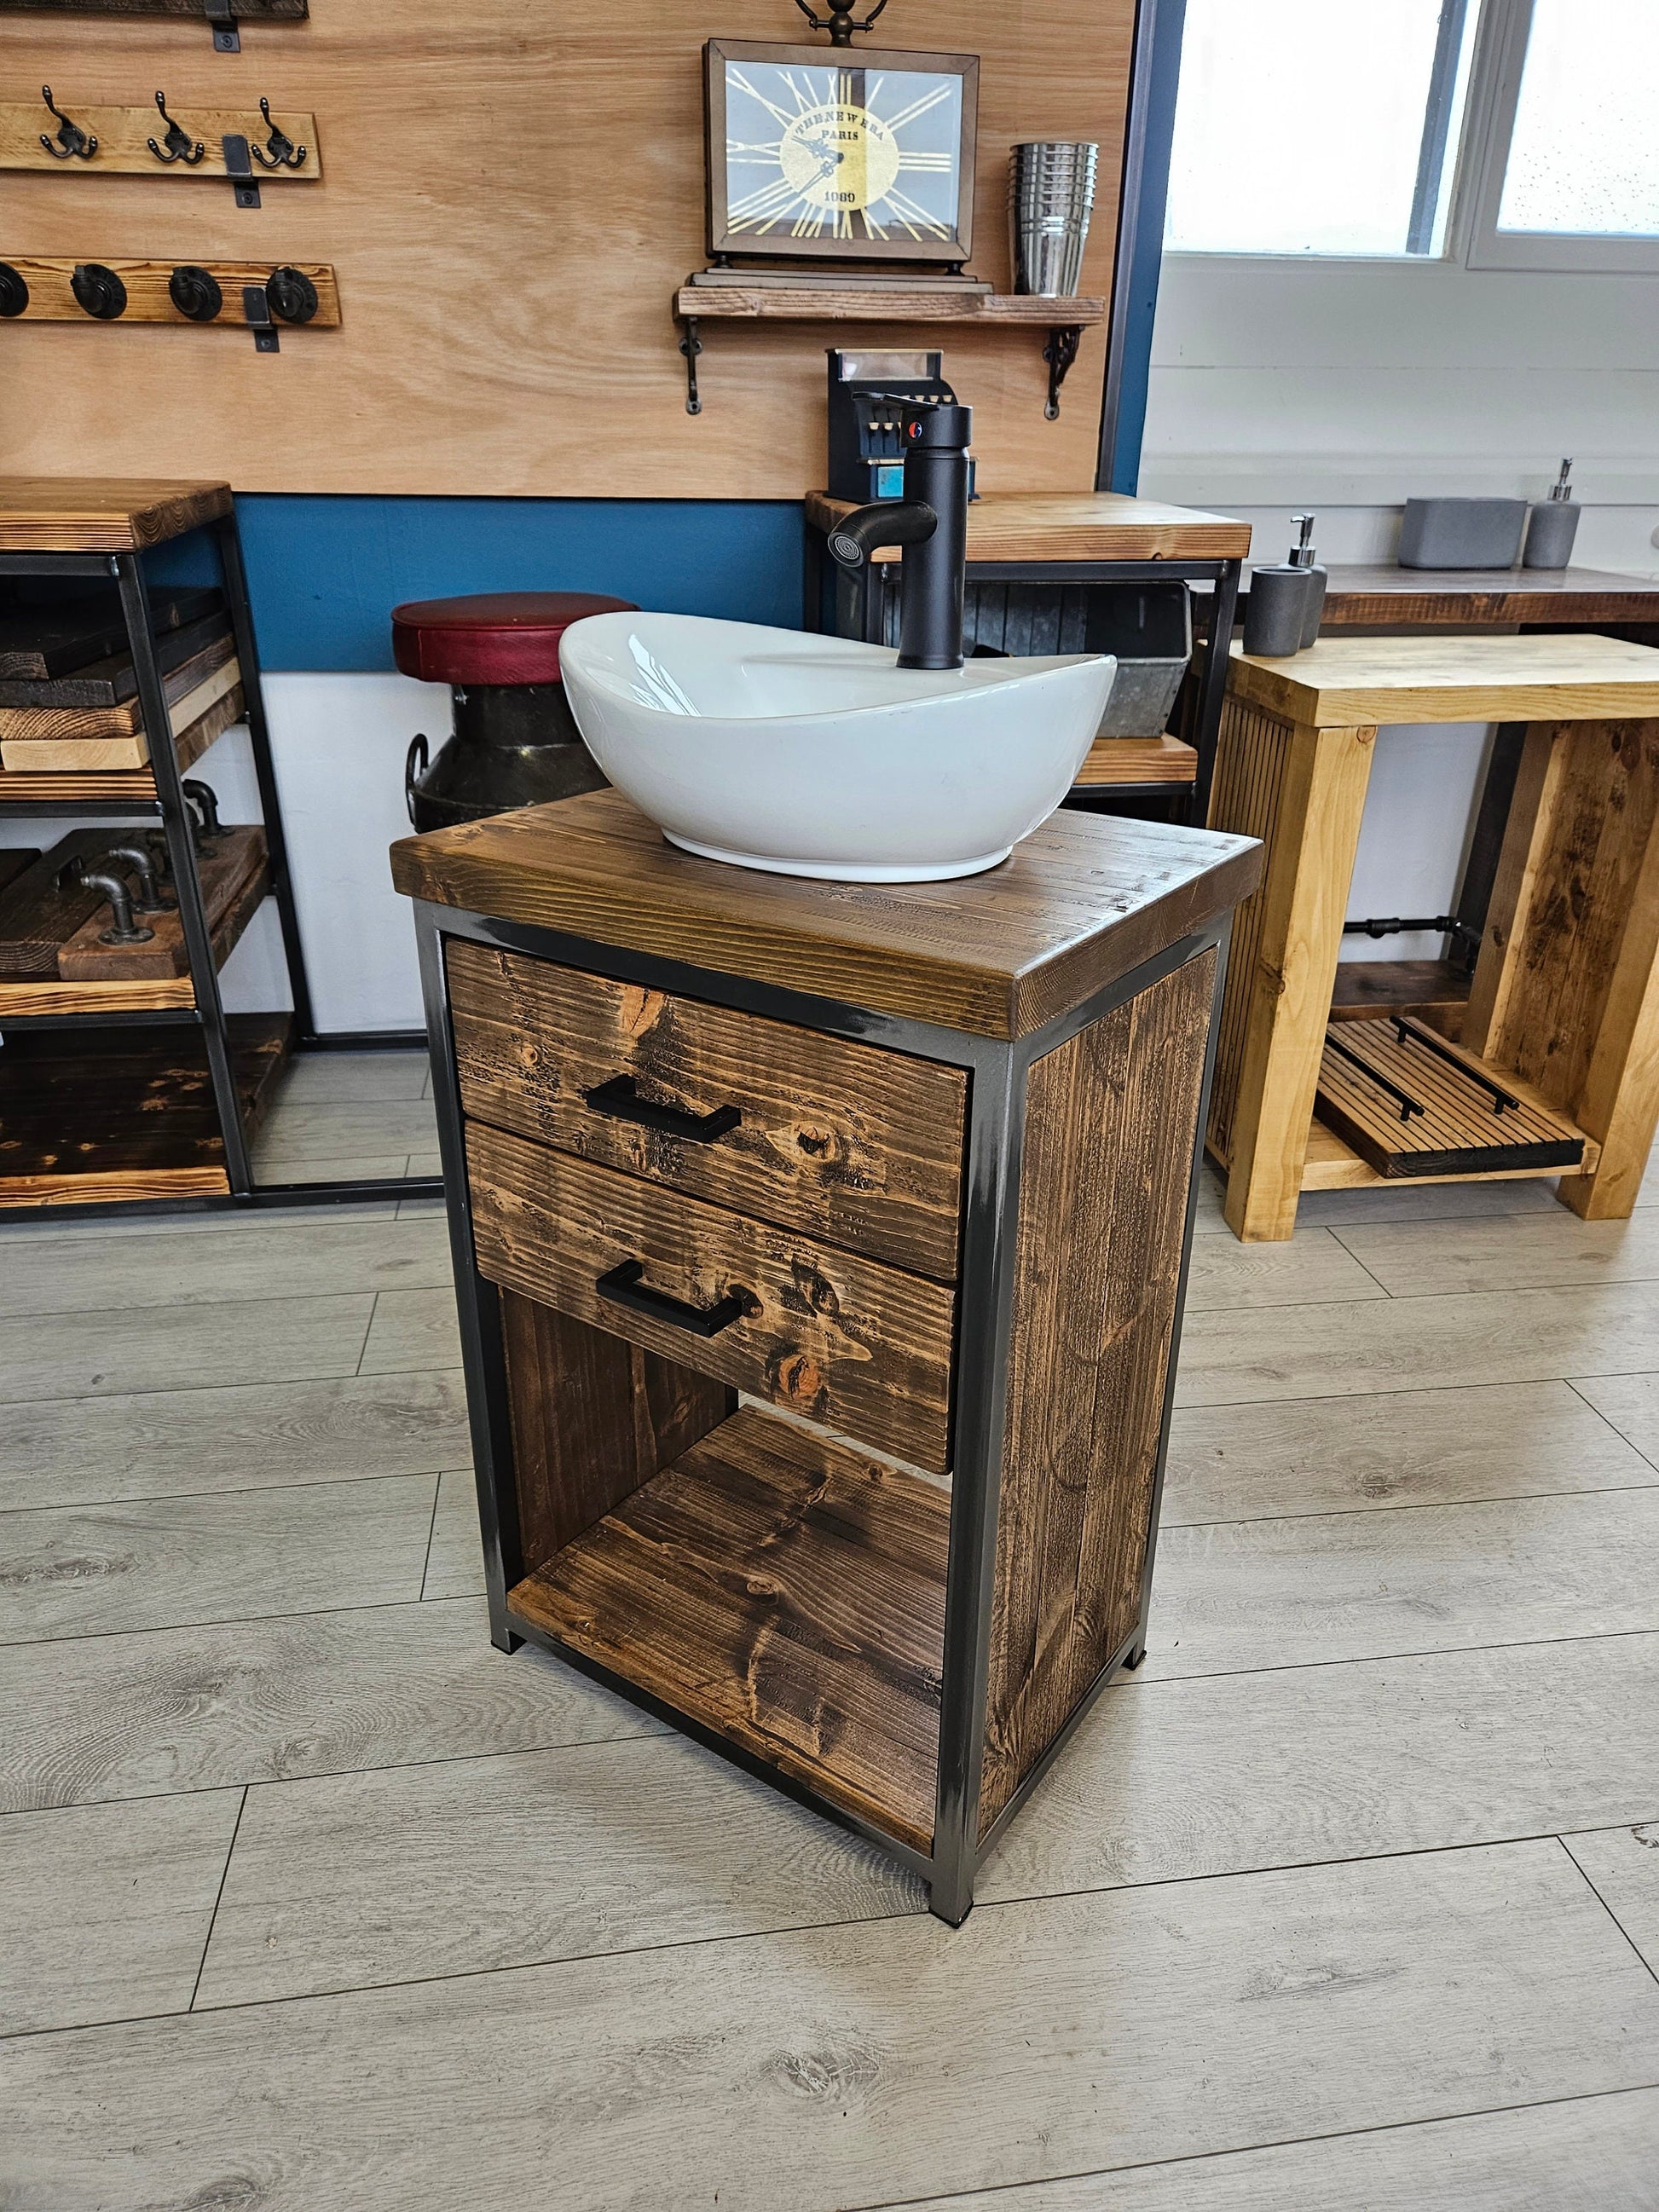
x=842, y=1339
x=861, y=1146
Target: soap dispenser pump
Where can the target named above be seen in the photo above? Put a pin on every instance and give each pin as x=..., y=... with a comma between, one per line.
x=1552, y=525
x=1301, y=556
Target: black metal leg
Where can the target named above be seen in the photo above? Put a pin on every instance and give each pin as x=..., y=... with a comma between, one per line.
x=996, y=1113
x=181, y=852
x=282, y=886
x=478, y=1308
x=1213, y=685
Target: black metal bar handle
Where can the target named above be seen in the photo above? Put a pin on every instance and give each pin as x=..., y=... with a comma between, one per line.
x=623, y=1287
x=1409, y=1105
x=621, y=1099
x=1408, y=1033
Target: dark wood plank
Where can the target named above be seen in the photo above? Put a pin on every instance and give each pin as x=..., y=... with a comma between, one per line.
x=39, y=915
x=857, y=1144
x=109, y=680
x=1081, y=901
x=251, y=11
x=777, y=1588
x=102, y=514
x=1376, y=595
x=593, y=1417
x=119, y=1114
x=1111, y=1121
x=841, y=1339
x=52, y=714
x=235, y=878
x=13, y=860
x=47, y=636
x=1431, y=991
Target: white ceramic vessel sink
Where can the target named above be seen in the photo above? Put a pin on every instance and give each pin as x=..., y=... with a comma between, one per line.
x=818, y=755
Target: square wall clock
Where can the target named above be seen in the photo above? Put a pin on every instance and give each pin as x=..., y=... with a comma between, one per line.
x=839, y=155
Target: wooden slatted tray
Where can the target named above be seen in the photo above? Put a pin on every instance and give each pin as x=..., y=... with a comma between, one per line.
x=1411, y=1104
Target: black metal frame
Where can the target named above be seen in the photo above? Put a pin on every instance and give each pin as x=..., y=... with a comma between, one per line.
x=169, y=806
x=876, y=589
x=997, y=1071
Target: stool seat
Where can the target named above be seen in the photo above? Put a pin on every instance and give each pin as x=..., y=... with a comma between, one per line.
x=491, y=637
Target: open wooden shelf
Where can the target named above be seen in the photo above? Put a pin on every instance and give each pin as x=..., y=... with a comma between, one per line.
x=1115, y=762
x=784, y=1591
x=128, y=1114
x=827, y=303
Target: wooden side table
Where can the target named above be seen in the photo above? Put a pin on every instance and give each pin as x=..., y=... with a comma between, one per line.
x=910, y=1164
x=1565, y=1004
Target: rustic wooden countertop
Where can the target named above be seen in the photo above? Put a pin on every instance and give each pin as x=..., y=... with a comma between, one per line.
x=1378, y=595
x=1081, y=901
x=1349, y=682
x=1047, y=527
x=101, y=514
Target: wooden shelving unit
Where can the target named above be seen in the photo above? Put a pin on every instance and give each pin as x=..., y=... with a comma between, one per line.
x=1063, y=320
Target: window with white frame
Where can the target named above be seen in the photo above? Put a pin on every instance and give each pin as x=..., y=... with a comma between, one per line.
x=1514, y=134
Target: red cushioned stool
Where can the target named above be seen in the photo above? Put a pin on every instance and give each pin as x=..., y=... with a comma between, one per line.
x=514, y=741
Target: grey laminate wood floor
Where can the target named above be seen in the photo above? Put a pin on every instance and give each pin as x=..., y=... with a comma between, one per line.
x=310, y=1899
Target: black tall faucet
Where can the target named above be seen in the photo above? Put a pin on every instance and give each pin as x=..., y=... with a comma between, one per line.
x=930, y=521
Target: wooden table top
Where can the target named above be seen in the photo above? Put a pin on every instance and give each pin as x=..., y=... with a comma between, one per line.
x=1075, y=525
x=1349, y=682
x=101, y=514
x=1082, y=900
x=1374, y=595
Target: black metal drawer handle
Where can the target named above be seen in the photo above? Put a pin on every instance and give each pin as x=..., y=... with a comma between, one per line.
x=621, y=1099
x=623, y=1287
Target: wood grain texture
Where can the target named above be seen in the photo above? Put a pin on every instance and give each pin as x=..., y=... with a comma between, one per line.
x=593, y=1417
x=859, y=1145
x=54, y=718
x=124, y=135
x=1405, y=1976
x=850, y=1343
x=100, y=514
x=109, y=678
x=163, y=1562
x=1378, y=594
x=158, y=1711
x=1432, y=991
x=52, y=296
x=1329, y=1164
x=1344, y=681
x=820, y=303
x=1571, y=2151
x=196, y=725
x=463, y=367
x=1112, y=761
x=1081, y=901
x=1101, y=525
x=1622, y=1864
x=234, y=878
x=1303, y=791
x=779, y=1588
x=105, y=1911
x=1313, y=1588
x=1459, y=1129
x=1111, y=1121
x=257, y=11
x=42, y=905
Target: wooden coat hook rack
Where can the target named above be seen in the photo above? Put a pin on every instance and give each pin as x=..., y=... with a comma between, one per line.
x=260, y=296
x=234, y=144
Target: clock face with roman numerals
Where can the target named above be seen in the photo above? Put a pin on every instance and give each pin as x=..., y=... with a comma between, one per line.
x=864, y=156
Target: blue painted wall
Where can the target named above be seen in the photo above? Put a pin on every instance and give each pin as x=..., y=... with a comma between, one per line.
x=325, y=573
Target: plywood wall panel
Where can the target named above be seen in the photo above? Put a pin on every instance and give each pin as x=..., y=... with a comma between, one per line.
x=510, y=198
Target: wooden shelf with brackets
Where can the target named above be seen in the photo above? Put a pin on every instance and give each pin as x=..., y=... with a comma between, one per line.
x=1064, y=320
x=222, y=16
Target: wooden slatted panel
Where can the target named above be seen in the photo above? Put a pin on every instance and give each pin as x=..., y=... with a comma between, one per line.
x=1457, y=1131
x=1109, y=1123
x=1245, y=796
x=784, y=1591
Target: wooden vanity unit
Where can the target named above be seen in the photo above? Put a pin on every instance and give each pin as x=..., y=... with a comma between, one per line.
x=819, y=1250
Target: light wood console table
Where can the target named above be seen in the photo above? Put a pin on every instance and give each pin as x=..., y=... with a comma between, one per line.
x=910, y=1164
x=1564, y=1005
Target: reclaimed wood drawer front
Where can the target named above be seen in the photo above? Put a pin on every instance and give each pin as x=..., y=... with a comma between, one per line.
x=859, y=1145
x=858, y=1346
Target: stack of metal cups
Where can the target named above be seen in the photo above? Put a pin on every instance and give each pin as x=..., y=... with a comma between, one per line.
x=1051, y=195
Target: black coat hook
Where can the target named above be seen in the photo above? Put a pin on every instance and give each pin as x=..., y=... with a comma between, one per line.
x=72, y=141
x=179, y=145
x=280, y=150
x=839, y=23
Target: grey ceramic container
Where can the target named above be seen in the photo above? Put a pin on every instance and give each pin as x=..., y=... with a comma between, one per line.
x=1462, y=533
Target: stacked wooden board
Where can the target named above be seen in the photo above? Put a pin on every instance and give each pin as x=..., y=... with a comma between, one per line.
x=69, y=697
